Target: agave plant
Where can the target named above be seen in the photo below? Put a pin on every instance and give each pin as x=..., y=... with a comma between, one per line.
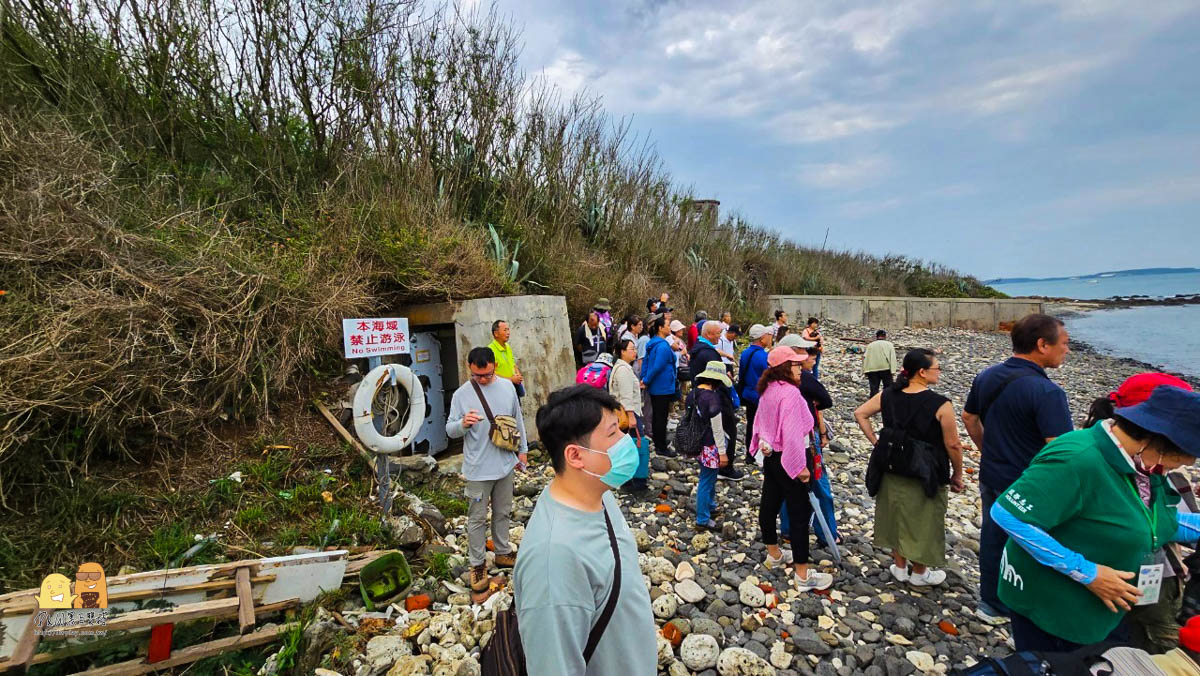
x=509, y=265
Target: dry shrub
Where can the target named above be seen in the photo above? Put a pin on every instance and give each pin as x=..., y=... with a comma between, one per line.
x=119, y=328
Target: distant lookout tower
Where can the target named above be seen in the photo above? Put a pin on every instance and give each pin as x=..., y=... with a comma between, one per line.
x=701, y=212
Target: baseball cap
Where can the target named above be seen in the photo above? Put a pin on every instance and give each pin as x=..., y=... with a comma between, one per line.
x=1137, y=389
x=757, y=331
x=794, y=340
x=782, y=355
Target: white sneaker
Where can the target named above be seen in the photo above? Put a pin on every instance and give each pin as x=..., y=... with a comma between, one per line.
x=901, y=574
x=785, y=559
x=815, y=580
x=930, y=578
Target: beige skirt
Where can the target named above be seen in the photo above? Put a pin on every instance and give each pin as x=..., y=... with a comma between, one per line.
x=909, y=523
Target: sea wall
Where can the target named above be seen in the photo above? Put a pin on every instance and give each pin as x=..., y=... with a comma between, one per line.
x=889, y=312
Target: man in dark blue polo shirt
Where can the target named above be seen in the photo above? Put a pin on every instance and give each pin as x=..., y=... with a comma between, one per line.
x=1012, y=411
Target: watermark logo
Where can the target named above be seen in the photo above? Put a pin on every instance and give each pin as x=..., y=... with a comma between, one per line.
x=79, y=610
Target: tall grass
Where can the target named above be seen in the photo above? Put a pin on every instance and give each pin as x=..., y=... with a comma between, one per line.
x=193, y=192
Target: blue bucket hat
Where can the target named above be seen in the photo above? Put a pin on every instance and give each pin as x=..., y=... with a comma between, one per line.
x=1172, y=412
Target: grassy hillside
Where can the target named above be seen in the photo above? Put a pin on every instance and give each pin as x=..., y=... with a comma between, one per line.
x=192, y=194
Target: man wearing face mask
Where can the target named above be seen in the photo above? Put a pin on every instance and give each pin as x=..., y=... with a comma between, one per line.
x=581, y=605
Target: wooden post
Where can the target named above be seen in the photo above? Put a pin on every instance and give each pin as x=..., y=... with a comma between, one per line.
x=245, y=600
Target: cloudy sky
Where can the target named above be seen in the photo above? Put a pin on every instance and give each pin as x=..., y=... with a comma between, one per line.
x=1004, y=138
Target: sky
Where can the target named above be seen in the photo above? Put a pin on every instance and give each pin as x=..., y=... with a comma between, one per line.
x=1002, y=138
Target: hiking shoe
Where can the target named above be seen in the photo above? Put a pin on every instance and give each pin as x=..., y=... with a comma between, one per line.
x=479, y=579
x=710, y=526
x=930, y=578
x=506, y=560
x=990, y=615
x=785, y=559
x=666, y=453
x=901, y=574
x=734, y=474
x=814, y=581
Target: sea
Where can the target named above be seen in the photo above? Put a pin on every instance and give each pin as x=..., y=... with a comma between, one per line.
x=1166, y=336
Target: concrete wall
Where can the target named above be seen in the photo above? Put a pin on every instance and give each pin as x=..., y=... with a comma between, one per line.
x=895, y=312
x=541, y=341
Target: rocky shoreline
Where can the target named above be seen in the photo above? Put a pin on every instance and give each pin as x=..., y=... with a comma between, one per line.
x=718, y=609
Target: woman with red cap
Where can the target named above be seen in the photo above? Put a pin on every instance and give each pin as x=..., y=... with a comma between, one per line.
x=1154, y=627
x=1088, y=518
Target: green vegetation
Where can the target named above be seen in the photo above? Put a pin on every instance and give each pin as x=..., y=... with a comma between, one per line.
x=196, y=193
x=279, y=504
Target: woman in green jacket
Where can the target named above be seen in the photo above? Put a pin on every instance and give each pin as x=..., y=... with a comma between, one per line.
x=1087, y=517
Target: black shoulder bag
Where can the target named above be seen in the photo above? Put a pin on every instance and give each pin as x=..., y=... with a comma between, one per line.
x=504, y=655
x=896, y=452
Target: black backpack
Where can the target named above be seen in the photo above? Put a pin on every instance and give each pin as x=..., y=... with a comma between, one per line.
x=504, y=655
x=1077, y=663
x=692, y=430
x=896, y=452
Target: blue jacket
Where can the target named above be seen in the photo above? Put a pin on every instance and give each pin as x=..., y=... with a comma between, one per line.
x=751, y=366
x=658, y=368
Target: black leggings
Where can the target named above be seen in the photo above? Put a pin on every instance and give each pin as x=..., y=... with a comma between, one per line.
x=777, y=487
x=660, y=407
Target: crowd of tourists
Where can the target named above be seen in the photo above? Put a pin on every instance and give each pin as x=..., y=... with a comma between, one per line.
x=1078, y=544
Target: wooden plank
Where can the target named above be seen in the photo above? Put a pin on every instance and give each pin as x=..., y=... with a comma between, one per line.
x=149, y=618
x=245, y=600
x=81, y=648
x=354, y=443
x=26, y=645
x=193, y=653
x=19, y=606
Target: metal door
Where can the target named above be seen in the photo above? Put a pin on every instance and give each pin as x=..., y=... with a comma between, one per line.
x=427, y=365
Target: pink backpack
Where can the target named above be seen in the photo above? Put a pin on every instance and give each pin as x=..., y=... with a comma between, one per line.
x=594, y=374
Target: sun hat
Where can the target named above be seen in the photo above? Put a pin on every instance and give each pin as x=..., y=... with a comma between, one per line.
x=757, y=331
x=603, y=304
x=794, y=340
x=605, y=358
x=676, y=325
x=715, y=370
x=1137, y=389
x=783, y=354
x=1172, y=412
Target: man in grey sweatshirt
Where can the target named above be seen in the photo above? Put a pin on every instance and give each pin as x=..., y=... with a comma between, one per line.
x=488, y=470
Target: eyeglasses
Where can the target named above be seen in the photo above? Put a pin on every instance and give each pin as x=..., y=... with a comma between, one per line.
x=81, y=576
x=480, y=377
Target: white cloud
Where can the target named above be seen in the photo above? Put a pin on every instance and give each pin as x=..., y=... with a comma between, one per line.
x=828, y=122
x=1021, y=89
x=852, y=174
x=1151, y=192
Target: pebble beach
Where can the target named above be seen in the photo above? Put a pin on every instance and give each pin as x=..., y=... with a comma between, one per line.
x=718, y=609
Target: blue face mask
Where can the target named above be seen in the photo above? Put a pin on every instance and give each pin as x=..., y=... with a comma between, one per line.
x=623, y=456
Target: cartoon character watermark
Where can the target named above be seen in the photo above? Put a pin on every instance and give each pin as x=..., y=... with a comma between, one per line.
x=78, y=611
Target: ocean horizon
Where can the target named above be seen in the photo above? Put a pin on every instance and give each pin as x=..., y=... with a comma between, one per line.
x=1167, y=336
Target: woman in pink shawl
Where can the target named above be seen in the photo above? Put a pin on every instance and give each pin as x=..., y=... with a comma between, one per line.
x=782, y=427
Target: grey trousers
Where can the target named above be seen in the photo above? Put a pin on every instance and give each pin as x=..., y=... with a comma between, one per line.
x=499, y=493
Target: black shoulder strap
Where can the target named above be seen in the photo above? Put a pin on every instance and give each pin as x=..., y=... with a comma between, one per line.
x=602, y=624
x=483, y=400
x=983, y=409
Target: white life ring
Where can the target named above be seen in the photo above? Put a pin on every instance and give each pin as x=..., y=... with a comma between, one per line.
x=364, y=423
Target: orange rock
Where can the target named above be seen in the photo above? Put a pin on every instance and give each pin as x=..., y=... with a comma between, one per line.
x=672, y=634
x=662, y=509
x=970, y=470
x=783, y=635
x=948, y=627
x=491, y=546
x=418, y=602
x=766, y=587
